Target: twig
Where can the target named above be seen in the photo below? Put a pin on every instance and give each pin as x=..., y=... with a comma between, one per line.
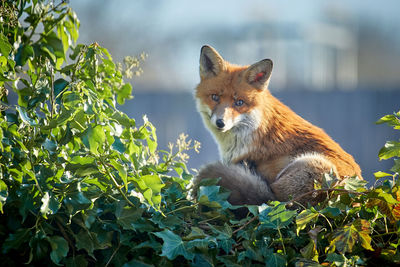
x=52, y=106
x=112, y=256
x=182, y=208
x=328, y=190
x=65, y=236
x=115, y=183
x=244, y=225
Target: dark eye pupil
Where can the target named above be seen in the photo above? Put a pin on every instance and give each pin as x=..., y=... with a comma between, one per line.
x=239, y=103
x=215, y=97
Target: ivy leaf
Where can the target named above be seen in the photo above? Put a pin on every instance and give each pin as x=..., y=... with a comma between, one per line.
x=85, y=240
x=353, y=184
x=364, y=230
x=49, y=205
x=391, y=149
x=127, y=216
x=391, y=120
x=304, y=218
x=151, y=187
x=24, y=116
x=96, y=138
x=337, y=259
x=275, y=259
x=14, y=241
x=121, y=171
x=5, y=47
x=276, y=216
x=345, y=238
x=380, y=174
x=211, y=196
x=3, y=194
x=331, y=212
x=59, y=247
x=173, y=245
x=310, y=252
x=59, y=86
x=124, y=93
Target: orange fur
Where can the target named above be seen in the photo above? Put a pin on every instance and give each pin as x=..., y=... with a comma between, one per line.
x=262, y=130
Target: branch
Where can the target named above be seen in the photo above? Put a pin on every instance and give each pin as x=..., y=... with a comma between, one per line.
x=244, y=225
x=328, y=190
x=115, y=183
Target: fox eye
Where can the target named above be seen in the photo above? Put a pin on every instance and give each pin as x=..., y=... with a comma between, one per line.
x=215, y=97
x=239, y=102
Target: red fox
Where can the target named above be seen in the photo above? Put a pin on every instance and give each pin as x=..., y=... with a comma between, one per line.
x=268, y=152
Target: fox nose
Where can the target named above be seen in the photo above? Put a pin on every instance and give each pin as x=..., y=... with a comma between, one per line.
x=220, y=123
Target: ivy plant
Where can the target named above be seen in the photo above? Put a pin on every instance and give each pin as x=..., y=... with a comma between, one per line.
x=82, y=184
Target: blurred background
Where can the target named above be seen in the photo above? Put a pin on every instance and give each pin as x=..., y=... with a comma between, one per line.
x=336, y=63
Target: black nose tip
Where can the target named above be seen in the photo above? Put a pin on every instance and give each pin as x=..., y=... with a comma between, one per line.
x=220, y=123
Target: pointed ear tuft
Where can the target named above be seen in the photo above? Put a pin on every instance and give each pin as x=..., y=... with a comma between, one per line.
x=259, y=74
x=211, y=63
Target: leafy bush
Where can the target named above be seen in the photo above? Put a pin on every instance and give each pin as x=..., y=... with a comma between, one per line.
x=82, y=184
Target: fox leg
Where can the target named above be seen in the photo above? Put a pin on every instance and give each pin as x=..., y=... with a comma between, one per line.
x=298, y=178
x=245, y=187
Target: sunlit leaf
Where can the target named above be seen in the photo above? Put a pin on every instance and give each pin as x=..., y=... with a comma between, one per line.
x=304, y=218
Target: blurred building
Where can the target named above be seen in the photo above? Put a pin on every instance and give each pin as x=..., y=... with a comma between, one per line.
x=315, y=45
x=336, y=63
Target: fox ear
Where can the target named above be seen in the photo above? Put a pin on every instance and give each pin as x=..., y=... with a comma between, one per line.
x=258, y=74
x=211, y=63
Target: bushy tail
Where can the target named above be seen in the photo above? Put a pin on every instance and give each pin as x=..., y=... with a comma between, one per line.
x=245, y=187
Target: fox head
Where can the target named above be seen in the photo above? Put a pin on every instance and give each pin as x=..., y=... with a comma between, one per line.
x=230, y=97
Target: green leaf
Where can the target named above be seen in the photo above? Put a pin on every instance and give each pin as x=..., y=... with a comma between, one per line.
x=331, y=212
x=304, y=218
x=14, y=241
x=118, y=145
x=127, y=216
x=151, y=187
x=50, y=145
x=337, y=259
x=49, y=205
x=24, y=116
x=391, y=149
x=121, y=172
x=276, y=216
x=380, y=174
x=59, y=247
x=364, y=230
x=96, y=139
x=56, y=44
x=124, y=93
x=211, y=196
x=391, y=120
x=275, y=259
x=81, y=160
x=59, y=86
x=354, y=183
x=396, y=166
x=345, y=238
x=5, y=47
x=310, y=252
x=87, y=241
x=173, y=245
x=3, y=194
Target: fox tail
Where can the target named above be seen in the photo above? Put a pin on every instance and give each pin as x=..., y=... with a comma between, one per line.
x=246, y=187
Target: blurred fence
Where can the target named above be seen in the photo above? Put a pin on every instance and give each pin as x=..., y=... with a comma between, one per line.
x=348, y=117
